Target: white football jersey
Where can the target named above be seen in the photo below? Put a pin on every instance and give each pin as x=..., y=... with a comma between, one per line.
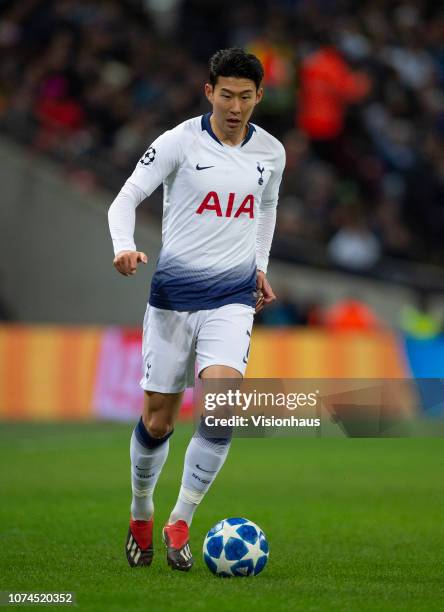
x=211, y=197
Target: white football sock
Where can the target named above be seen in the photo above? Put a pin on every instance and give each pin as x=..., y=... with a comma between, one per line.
x=203, y=460
x=148, y=456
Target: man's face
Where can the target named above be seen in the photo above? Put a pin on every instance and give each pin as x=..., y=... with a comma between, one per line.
x=233, y=101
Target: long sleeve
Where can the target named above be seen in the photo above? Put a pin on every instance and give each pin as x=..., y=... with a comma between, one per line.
x=265, y=230
x=267, y=214
x=122, y=217
x=160, y=159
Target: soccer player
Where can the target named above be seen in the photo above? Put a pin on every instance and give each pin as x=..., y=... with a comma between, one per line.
x=221, y=177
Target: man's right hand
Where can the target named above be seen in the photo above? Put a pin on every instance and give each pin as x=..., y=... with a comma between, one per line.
x=126, y=262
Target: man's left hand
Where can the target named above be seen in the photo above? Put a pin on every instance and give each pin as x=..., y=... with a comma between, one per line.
x=265, y=294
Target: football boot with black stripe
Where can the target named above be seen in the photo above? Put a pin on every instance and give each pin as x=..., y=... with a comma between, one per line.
x=176, y=538
x=139, y=543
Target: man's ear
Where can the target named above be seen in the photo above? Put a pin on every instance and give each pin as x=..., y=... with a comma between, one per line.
x=259, y=95
x=209, y=92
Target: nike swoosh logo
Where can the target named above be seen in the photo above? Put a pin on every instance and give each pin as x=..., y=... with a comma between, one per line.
x=208, y=471
x=203, y=167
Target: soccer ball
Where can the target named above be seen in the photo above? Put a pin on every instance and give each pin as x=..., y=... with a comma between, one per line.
x=235, y=547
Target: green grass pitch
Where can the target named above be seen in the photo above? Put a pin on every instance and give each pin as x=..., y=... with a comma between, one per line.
x=353, y=524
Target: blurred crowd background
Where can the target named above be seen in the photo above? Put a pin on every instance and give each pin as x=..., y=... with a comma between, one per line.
x=354, y=89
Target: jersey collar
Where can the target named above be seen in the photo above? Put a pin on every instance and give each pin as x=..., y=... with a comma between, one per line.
x=206, y=126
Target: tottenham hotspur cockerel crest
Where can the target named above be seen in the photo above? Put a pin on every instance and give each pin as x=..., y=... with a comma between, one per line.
x=261, y=171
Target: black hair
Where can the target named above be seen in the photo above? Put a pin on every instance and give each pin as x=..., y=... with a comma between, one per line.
x=237, y=63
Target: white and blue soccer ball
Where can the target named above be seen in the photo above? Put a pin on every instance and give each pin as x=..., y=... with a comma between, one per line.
x=235, y=547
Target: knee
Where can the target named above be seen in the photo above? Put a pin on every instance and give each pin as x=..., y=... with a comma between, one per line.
x=157, y=428
x=159, y=413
